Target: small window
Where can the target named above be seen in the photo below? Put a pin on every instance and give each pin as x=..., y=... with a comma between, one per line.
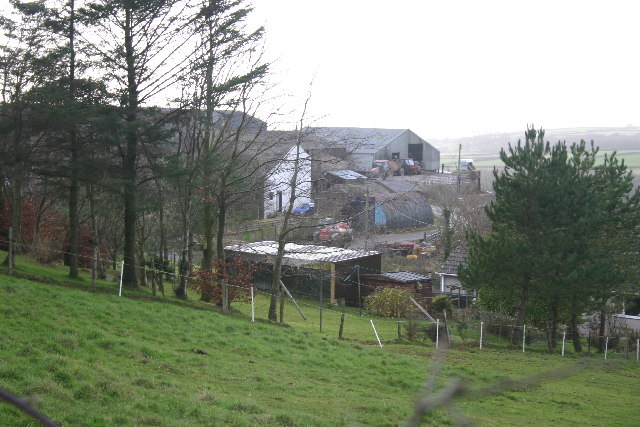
x=395, y=156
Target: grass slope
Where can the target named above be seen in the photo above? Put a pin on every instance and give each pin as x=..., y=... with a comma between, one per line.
x=97, y=359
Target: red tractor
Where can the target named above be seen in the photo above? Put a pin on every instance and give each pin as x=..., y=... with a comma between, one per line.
x=407, y=167
x=339, y=234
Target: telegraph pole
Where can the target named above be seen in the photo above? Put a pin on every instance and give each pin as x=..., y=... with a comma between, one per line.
x=459, y=160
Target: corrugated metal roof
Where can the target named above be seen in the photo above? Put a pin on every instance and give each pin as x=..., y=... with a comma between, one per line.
x=406, y=276
x=300, y=254
x=456, y=257
x=347, y=174
x=363, y=140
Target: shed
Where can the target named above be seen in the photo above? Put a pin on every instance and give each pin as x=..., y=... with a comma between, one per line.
x=418, y=283
x=337, y=263
x=449, y=281
x=391, y=211
x=364, y=145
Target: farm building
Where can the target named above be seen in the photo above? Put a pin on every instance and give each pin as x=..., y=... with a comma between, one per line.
x=390, y=212
x=307, y=269
x=449, y=280
x=364, y=145
x=419, y=284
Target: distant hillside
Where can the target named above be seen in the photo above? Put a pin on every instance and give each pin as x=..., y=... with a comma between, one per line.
x=485, y=149
x=608, y=139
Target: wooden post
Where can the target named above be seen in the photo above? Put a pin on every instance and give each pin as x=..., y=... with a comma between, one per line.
x=253, y=308
x=94, y=268
x=295, y=304
x=332, y=296
x=341, y=324
x=481, y=325
x=589, y=344
x=225, y=296
x=626, y=348
x=10, y=256
x=359, y=295
x=320, y=305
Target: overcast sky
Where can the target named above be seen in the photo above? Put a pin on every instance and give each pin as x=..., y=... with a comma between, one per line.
x=458, y=68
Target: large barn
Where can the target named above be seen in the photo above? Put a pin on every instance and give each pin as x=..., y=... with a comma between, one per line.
x=364, y=145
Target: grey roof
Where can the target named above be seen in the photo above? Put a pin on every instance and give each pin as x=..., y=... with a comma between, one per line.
x=363, y=140
x=406, y=276
x=457, y=257
x=298, y=254
x=347, y=174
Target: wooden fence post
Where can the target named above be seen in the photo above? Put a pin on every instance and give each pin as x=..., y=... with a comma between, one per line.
x=10, y=257
x=94, y=268
x=225, y=296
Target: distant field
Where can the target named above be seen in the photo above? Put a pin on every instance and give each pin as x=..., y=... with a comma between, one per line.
x=631, y=158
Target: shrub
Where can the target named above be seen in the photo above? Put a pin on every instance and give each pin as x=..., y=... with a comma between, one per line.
x=391, y=302
x=238, y=274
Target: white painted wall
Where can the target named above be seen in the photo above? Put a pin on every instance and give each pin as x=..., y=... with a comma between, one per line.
x=279, y=181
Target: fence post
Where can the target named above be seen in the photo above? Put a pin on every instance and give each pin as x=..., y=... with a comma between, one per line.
x=94, y=267
x=253, y=309
x=606, y=348
x=341, y=325
x=121, y=272
x=376, y=332
x=626, y=348
x=10, y=257
x=564, y=336
x=320, y=304
x=481, y=325
x=359, y=297
x=524, y=333
x=589, y=343
x=437, y=331
x=638, y=350
x=225, y=296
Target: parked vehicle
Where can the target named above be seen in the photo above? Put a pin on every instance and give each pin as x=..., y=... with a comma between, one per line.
x=381, y=169
x=338, y=234
x=407, y=167
x=305, y=209
x=467, y=165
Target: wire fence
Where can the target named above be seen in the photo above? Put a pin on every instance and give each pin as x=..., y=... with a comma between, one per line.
x=466, y=329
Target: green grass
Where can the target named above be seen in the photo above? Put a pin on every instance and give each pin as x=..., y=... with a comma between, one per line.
x=96, y=359
x=484, y=160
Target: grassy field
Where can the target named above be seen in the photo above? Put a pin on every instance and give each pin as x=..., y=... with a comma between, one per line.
x=93, y=358
x=631, y=158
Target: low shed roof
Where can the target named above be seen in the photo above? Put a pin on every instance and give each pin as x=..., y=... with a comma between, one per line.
x=406, y=276
x=457, y=257
x=298, y=254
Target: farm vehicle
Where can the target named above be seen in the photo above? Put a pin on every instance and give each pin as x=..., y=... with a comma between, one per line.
x=333, y=233
x=384, y=168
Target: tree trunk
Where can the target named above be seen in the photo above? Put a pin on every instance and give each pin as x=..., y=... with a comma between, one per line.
x=553, y=329
x=74, y=189
x=74, y=185
x=575, y=334
x=601, y=329
x=130, y=158
x=524, y=298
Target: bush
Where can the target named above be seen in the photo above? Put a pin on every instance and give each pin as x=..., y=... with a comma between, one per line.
x=46, y=252
x=238, y=274
x=391, y=302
